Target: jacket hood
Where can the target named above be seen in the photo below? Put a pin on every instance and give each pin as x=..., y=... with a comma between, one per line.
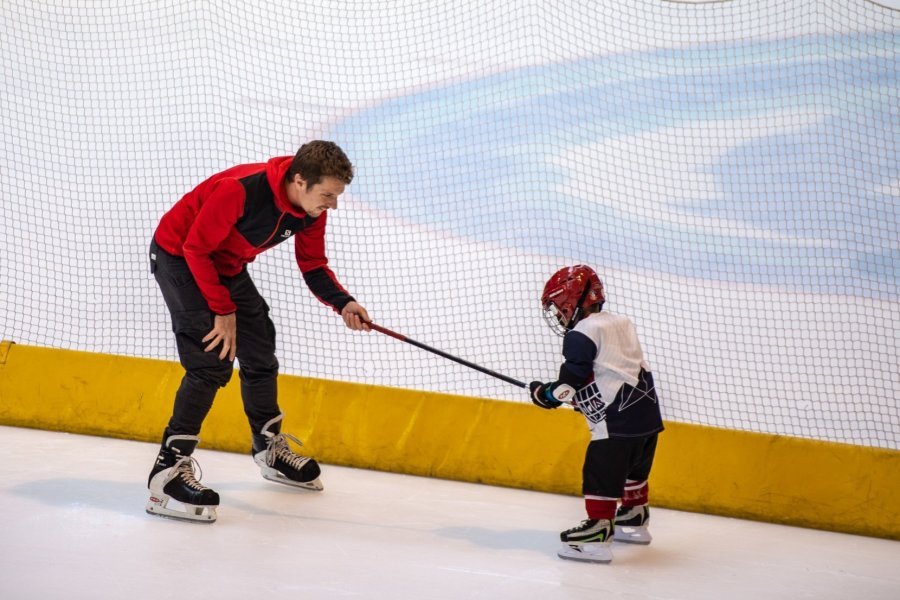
x=276, y=169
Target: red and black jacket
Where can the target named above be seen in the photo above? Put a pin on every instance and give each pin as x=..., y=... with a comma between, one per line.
x=226, y=221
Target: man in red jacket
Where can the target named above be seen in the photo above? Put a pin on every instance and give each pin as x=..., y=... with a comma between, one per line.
x=199, y=256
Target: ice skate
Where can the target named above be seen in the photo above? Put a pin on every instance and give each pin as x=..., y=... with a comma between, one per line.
x=631, y=525
x=278, y=463
x=172, y=479
x=588, y=542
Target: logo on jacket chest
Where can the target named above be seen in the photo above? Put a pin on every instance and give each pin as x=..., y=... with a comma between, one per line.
x=286, y=233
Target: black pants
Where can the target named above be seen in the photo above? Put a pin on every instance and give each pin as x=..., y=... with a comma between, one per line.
x=205, y=373
x=608, y=463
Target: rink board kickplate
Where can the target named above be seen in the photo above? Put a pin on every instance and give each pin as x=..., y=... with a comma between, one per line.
x=697, y=468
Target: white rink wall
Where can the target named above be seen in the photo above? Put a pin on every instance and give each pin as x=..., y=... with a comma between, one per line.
x=730, y=169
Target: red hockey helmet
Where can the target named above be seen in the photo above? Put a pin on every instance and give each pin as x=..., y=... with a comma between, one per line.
x=567, y=294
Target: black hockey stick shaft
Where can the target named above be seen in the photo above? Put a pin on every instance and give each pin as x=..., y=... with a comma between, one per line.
x=403, y=338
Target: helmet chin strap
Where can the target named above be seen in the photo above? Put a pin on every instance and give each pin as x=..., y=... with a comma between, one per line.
x=576, y=314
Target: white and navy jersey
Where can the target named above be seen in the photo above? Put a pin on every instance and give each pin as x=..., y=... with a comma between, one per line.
x=605, y=363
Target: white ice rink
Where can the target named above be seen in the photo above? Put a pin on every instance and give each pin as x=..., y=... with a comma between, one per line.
x=73, y=526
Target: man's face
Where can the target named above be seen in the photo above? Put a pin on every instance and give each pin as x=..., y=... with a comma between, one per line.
x=316, y=199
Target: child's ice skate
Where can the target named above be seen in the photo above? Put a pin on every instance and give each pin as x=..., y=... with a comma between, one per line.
x=172, y=478
x=631, y=524
x=588, y=542
x=278, y=463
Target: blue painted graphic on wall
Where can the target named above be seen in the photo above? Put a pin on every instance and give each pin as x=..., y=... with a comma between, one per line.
x=809, y=206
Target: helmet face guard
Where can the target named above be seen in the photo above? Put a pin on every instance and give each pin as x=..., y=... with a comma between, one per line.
x=567, y=294
x=555, y=319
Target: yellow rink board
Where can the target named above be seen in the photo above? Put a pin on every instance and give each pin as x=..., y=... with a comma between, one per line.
x=765, y=477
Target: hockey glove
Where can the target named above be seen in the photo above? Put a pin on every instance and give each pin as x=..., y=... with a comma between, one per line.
x=549, y=395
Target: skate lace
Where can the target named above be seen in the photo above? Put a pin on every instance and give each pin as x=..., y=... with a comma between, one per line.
x=184, y=469
x=279, y=449
x=584, y=525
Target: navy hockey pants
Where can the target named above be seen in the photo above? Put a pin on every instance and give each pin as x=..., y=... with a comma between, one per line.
x=609, y=462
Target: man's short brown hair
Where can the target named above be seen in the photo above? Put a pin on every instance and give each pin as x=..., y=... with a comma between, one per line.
x=317, y=159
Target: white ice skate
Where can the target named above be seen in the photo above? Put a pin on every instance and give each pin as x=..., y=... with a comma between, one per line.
x=172, y=480
x=159, y=505
x=631, y=525
x=589, y=542
x=595, y=552
x=278, y=463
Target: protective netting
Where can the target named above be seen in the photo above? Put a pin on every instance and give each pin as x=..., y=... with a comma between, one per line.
x=731, y=169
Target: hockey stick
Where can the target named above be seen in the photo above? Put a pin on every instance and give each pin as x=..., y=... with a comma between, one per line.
x=466, y=363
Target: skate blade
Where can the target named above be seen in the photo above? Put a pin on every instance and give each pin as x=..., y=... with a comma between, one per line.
x=314, y=485
x=593, y=553
x=193, y=514
x=632, y=535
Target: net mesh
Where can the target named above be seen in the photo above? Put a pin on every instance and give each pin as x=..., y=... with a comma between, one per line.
x=729, y=168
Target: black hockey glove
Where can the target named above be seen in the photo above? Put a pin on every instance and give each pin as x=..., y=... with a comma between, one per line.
x=541, y=396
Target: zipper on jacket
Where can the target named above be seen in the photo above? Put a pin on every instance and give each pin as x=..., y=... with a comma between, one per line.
x=277, y=227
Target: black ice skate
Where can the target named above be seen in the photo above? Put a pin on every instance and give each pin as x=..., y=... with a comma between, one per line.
x=172, y=478
x=588, y=542
x=278, y=463
x=631, y=524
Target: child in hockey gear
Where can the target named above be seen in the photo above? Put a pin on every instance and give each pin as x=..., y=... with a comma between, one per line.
x=172, y=478
x=199, y=256
x=606, y=378
x=278, y=463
